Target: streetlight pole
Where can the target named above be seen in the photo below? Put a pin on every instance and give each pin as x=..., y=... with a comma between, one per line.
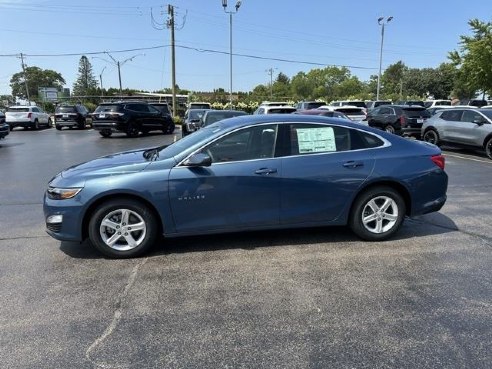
x=120, y=64
x=230, y=12
x=381, y=21
x=101, y=81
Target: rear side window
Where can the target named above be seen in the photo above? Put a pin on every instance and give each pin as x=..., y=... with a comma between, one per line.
x=308, y=139
x=385, y=111
x=107, y=108
x=452, y=115
x=351, y=111
x=416, y=113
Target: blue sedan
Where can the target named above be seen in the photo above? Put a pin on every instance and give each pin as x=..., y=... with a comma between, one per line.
x=248, y=173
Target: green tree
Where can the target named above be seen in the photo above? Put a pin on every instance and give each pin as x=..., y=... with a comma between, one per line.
x=474, y=58
x=36, y=77
x=86, y=83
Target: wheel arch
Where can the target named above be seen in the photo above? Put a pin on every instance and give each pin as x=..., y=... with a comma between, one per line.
x=91, y=209
x=489, y=136
x=400, y=188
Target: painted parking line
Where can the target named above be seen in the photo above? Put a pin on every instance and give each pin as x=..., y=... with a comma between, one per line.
x=467, y=158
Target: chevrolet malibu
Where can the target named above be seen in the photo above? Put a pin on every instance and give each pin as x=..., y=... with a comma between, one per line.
x=248, y=173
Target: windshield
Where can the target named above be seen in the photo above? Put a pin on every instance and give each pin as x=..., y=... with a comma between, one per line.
x=487, y=112
x=188, y=143
x=360, y=104
x=212, y=118
x=163, y=108
x=195, y=114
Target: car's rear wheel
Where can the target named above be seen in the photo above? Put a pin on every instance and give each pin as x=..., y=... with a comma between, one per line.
x=58, y=127
x=431, y=136
x=377, y=213
x=389, y=128
x=36, y=124
x=105, y=133
x=81, y=124
x=50, y=123
x=123, y=228
x=132, y=130
x=488, y=148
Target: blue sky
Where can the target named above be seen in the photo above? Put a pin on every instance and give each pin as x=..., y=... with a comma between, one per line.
x=324, y=32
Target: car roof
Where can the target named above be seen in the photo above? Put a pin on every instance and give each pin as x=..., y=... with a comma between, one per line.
x=246, y=120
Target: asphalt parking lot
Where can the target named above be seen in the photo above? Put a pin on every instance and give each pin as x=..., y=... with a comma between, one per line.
x=315, y=298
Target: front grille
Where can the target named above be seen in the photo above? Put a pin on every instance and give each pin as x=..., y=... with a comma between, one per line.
x=54, y=227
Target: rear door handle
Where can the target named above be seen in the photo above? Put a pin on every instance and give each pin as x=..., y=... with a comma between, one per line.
x=266, y=171
x=353, y=164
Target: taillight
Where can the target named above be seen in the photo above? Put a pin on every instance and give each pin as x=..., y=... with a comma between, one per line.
x=438, y=160
x=29, y=115
x=403, y=121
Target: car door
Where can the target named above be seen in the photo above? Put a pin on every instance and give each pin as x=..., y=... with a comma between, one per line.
x=451, y=125
x=239, y=190
x=469, y=131
x=153, y=118
x=326, y=165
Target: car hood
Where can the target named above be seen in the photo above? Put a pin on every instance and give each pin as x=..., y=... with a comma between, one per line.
x=120, y=163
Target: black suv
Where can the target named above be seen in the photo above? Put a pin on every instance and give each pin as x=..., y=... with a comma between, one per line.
x=71, y=116
x=130, y=118
x=399, y=119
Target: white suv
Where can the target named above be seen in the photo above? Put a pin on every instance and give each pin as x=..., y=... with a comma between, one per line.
x=27, y=117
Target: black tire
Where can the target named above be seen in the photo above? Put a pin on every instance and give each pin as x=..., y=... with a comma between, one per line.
x=170, y=129
x=50, y=123
x=36, y=125
x=58, y=127
x=106, y=133
x=81, y=125
x=377, y=224
x=132, y=130
x=431, y=136
x=389, y=128
x=488, y=147
x=117, y=242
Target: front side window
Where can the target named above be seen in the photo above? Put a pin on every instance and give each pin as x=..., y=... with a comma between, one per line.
x=472, y=117
x=246, y=144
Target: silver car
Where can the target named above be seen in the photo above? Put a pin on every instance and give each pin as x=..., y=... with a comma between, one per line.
x=462, y=127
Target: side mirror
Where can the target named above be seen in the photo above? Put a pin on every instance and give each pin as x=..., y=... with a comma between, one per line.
x=479, y=121
x=198, y=160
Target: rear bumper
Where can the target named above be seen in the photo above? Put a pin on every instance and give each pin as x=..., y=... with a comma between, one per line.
x=411, y=131
x=21, y=123
x=109, y=126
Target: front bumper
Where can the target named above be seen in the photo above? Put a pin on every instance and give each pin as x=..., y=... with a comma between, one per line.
x=63, y=219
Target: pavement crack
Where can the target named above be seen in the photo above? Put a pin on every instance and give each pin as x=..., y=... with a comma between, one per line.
x=116, y=319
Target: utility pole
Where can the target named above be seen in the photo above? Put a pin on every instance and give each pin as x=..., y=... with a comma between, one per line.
x=25, y=78
x=101, y=80
x=270, y=72
x=170, y=24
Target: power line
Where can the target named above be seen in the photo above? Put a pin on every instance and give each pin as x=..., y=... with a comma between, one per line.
x=211, y=51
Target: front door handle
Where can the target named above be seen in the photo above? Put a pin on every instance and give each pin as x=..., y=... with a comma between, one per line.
x=353, y=164
x=266, y=171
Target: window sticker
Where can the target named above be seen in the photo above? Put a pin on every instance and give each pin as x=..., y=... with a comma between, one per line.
x=316, y=140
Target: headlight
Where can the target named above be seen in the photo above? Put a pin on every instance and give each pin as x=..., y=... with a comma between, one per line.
x=55, y=193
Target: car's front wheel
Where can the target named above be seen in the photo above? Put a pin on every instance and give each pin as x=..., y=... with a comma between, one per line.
x=431, y=136
x=105, y=133
x=488, y=148
x=36, y=124
x=123, y=228
x=377, y=213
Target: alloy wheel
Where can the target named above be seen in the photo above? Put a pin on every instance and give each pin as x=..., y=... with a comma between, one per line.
x=122, y=229
x=380, y=214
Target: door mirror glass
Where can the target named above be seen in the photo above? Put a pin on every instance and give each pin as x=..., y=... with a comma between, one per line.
x=198, y=160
